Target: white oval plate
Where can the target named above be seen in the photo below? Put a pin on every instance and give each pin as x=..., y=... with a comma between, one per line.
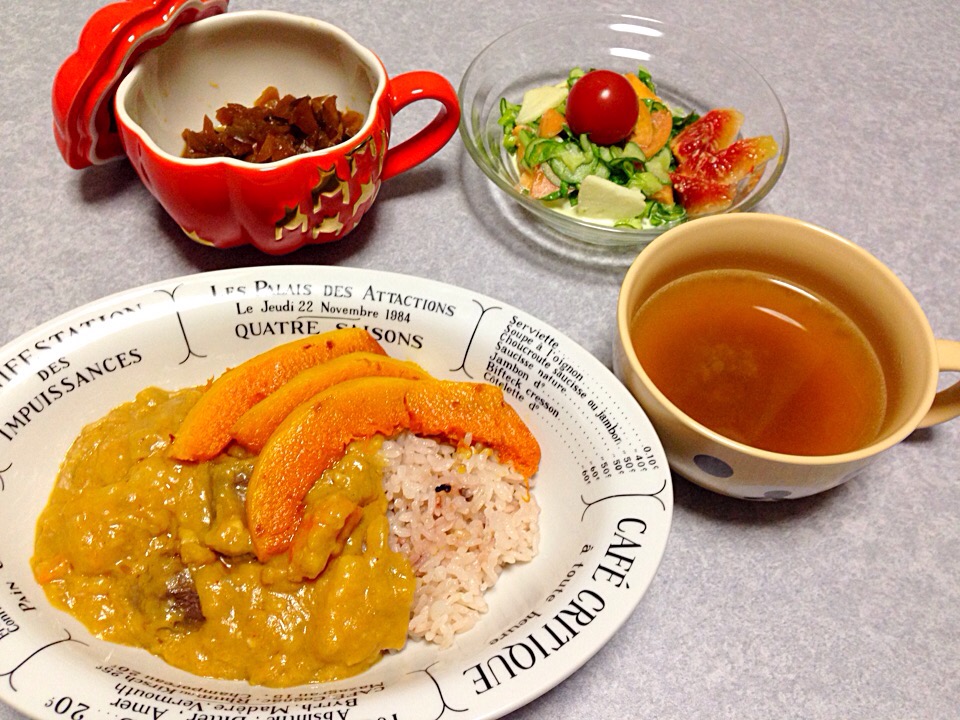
x=603, y=486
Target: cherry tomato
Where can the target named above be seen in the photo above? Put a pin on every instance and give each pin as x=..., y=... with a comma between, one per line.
x=603, y=105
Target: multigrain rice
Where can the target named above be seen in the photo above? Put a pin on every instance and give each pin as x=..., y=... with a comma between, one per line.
x=460, y=516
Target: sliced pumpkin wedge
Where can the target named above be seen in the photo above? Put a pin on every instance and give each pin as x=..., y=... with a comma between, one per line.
x=257, y=424
x=318, y=431
x=205, y=431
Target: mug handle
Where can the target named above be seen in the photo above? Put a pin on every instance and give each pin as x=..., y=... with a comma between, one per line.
x=946, y=403
x=410, y=87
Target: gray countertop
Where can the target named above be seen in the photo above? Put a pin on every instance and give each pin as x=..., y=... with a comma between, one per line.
x=839, y=606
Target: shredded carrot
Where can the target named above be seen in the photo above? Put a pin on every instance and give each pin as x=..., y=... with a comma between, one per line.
x=551, y=123
x=542, y=185
x=664, y=195
x=640, y=88
x=662, y=122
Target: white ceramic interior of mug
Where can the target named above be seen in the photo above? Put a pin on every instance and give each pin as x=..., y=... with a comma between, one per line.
x=233, y=57
x=821, y=261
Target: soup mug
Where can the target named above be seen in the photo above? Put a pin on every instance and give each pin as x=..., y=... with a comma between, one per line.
x=868, y=292
x=192, y=58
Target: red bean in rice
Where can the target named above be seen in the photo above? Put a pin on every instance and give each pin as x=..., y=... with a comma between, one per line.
x=460, y=516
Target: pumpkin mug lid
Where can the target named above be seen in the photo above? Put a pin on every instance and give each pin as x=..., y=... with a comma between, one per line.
x=112, y=40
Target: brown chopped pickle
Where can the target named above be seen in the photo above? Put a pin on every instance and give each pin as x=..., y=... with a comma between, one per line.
x=273, y=129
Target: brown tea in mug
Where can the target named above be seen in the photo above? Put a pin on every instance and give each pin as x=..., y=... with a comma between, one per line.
x=762, y=361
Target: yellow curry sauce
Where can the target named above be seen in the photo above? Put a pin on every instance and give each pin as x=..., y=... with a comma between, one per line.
x=155, y=553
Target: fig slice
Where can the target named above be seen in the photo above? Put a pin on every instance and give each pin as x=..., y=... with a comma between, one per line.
x=711, y=132
x=735, y=162
x=699, y=196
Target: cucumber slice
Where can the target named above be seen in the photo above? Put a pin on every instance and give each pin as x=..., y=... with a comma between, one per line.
x=645, y=182
x=659, y=165
x=540, y=150
x=576, y=174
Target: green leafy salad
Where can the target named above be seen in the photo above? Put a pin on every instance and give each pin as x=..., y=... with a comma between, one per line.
x=597, y=146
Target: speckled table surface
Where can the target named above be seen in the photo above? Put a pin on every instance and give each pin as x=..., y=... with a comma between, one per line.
x=839, y=606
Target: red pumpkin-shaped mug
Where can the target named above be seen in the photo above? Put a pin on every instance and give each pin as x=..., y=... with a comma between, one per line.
x=199, y=65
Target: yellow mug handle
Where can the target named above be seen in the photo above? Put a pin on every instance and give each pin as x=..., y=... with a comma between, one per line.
x=946, y=403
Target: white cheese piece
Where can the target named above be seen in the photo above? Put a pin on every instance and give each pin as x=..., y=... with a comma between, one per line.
x=601, y=198
x=538, y=100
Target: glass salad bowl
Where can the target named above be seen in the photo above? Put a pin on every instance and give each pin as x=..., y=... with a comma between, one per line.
x=691, y=73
